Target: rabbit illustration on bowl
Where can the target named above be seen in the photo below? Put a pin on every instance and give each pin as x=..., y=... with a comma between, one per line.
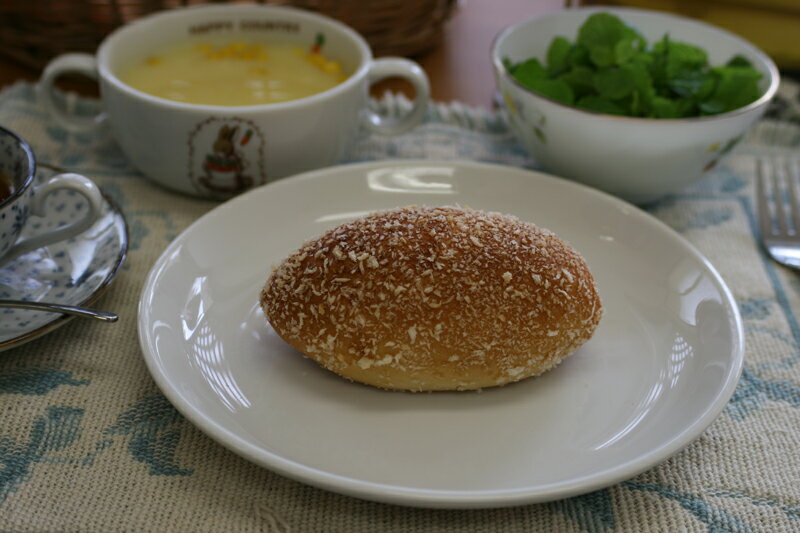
x=224, y=165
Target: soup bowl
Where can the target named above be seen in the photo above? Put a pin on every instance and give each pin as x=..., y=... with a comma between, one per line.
x=218, y=151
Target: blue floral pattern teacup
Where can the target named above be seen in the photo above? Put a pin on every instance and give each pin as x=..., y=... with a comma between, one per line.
x=18, y=168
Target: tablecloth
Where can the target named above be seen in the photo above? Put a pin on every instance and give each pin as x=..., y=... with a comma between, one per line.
x=88, y=443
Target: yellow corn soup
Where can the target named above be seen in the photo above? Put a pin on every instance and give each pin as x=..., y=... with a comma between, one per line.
x=234, y=74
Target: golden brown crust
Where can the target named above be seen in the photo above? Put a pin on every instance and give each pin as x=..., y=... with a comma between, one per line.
x=434, y=298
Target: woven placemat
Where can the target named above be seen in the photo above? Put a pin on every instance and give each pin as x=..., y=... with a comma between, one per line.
x=88, y=443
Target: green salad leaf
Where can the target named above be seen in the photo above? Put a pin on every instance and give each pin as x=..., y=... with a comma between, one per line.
x=610, y=68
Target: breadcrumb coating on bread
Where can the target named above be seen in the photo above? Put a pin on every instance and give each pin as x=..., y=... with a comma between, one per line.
x=434, y=298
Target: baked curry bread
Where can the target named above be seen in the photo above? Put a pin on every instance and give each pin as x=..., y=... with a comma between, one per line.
x=434, y=298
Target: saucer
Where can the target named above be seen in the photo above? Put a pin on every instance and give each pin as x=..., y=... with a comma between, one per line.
x=71, y=272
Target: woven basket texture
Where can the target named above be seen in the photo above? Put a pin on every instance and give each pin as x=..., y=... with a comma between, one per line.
x=33, y=32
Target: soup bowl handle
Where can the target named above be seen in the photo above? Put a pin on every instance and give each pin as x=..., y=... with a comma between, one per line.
x=74, y=63
x=390, y=67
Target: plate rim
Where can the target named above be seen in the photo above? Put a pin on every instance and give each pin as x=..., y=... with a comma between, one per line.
x=441, y=498
x=60, y=320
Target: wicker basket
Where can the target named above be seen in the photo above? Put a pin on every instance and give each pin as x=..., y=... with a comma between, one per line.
x=34, y=31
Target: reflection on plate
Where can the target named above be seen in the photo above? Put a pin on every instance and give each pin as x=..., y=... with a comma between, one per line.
x=660, y=368
x=72, y=272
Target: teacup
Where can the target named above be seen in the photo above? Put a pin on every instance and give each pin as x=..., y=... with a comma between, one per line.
x=219, y=151
x=22, y=198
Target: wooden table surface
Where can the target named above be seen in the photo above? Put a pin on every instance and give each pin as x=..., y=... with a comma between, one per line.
x=459, y=68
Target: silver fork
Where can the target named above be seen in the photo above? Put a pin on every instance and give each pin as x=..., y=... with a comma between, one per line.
x=779, y=210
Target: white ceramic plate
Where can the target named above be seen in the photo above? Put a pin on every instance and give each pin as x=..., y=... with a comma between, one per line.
x=662, y=365
x=75, y=271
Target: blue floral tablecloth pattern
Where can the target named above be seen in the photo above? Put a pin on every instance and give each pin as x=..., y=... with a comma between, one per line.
x=87, y=442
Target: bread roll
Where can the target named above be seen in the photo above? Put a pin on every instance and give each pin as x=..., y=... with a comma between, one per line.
x=434, y=298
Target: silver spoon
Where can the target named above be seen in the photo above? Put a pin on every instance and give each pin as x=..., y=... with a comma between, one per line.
x=59, y=308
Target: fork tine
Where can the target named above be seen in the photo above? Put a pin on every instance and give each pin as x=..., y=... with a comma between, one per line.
x=764, y=216
x=778, y=196
x=791, y=185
